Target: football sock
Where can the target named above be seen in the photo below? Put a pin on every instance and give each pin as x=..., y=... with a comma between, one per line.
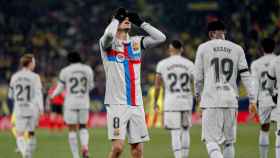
x=30, y=146
x=21, y=144
x=72, y=137
x=263, y=144
x=176, y=142
x=185, y=143
x=84, y=138
x=228, y=151
x=214, y=150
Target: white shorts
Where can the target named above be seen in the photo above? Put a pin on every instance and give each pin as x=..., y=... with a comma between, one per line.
x=76, y=116
x=268, y=114
x=26, y=123
x=125, y=120
x=177, y=119
x=219, y=125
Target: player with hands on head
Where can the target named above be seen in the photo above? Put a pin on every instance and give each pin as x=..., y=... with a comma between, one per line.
x=121, y=56
x=218, y=63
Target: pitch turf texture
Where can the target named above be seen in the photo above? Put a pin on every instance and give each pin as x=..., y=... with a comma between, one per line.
x=55, y=145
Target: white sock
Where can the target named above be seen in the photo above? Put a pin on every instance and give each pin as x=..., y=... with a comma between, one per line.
x=21, y=145
x=277, y=144
x=263, y=144
x=185, y=143
x=228, y=151
x=30, y=146
x=73, y=141
x=214, y=150
x=176, y=143
x=84, y=137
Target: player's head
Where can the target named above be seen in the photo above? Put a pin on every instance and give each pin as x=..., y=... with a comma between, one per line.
x=74, y=57
x=216, y=30
x=28, y=61
x=268, y=45
x=124, y=23
x=175, y=47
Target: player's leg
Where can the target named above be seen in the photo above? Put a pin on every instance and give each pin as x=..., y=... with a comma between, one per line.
x=264, y=114
x=71, y=119
x=20, y=129
x=172, y=122
x=137, y=131
x=31, y=141
x=186, y=124
x=83, y=131
x=212, y=136
x=230, y=125
x=117, y=120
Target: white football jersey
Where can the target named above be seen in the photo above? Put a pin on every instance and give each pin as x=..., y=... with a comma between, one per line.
x=78, y=81
x=26, y=92
x=177, y=75
x=122, y=63
x=218, y=63
x=260, y=69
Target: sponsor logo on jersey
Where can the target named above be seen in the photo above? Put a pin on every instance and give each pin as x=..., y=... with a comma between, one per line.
x=120, y=57
x=136, y=46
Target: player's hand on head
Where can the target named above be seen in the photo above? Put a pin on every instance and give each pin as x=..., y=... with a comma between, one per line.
x=135, y=18
x=120, y=14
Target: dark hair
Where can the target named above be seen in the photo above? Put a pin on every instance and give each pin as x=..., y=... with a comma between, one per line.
x=216, y=25
x=176, y=44
x=26, y=59
x=74, y=57
x=268, y=45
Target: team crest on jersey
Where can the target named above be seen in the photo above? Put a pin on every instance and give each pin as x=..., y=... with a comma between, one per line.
x=120, y=57
x=135, y=46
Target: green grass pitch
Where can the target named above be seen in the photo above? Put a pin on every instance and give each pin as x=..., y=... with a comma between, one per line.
x=55, y=145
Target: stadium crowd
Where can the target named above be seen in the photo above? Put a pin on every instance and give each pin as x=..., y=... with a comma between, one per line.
x=50, y=28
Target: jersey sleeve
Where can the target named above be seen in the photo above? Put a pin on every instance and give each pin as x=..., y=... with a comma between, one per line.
x=246, y=77
x=61, y=84
x=91, y=77
x=271, y=76
x=109, y=34
x=39, y=95
x=61, y=77
x=199, y=71
x=11, y=88
x=154, y=38
x=159, y=68
x=255, y=79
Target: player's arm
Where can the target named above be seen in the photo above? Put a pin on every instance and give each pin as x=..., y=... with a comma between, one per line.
x=91, y=77
x=271, y=83
x=198, y=74
x=109, y=34
x=155, y=36
x=39, y=95
x=11, y=89
x=60, y=85
x=246, y=78
x=255, y=79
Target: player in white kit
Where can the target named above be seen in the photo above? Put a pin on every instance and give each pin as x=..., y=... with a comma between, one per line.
x=77, y=79
x=266, y=105
x=26, y=92
x=175, y=73
x=274, y=76
x=121, y=55
x=218, y=62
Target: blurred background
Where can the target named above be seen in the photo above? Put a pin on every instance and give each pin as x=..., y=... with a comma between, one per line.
x=51, y=28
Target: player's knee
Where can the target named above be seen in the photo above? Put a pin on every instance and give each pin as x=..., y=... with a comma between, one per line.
x=136, y=150
x=265, y=127
x=117, y=148
x=82, y=126
x=72, y=127
x=212, y=147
